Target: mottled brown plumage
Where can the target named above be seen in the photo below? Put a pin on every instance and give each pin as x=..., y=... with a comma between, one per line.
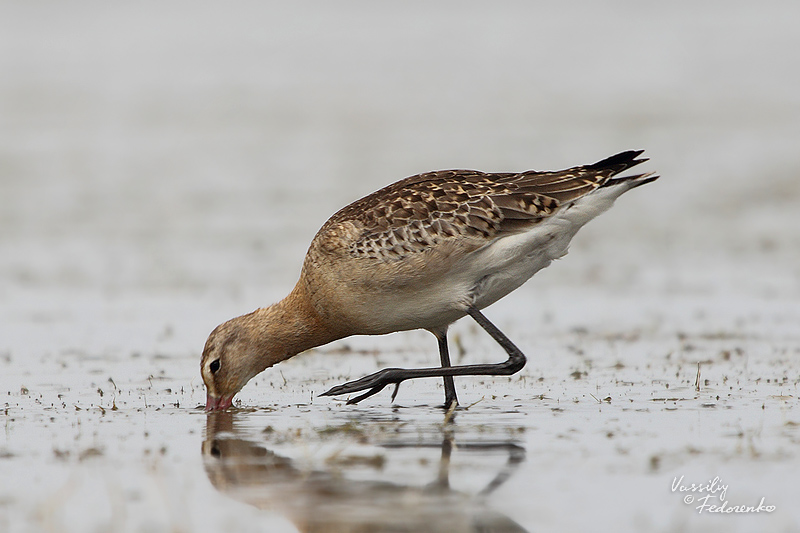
x=422, y=211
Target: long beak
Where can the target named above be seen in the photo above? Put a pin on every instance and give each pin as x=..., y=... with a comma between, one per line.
x=217, y=404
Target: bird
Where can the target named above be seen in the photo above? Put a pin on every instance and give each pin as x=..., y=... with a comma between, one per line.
x=420, y=253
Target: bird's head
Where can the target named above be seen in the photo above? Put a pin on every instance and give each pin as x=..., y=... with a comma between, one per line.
x=230, y=359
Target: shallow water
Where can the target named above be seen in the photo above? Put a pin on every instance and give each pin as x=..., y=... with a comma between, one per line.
x=160, y=174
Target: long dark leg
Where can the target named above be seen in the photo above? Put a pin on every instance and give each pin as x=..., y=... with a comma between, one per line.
x=449, y=385
x=377, y=381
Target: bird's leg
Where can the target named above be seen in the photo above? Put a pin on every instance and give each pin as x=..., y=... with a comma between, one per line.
x=450, y=397
x=377, y=381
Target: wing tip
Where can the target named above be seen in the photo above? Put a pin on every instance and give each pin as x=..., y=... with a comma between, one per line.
x=633, y=181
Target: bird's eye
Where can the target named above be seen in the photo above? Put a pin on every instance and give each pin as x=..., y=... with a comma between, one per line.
x=214, y=366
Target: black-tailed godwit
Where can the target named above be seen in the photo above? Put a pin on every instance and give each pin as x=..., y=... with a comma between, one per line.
x=418, y=254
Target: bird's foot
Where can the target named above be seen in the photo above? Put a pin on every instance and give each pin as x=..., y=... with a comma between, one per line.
x=374, y=382
x=450, y=403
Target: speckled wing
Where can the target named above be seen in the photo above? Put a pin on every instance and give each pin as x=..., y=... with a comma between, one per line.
x=424, y=211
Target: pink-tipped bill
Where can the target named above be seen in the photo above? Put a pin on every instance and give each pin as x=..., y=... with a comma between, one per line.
x=218, y=404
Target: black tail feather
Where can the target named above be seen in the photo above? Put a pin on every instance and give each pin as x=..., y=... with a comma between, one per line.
x=619, y=162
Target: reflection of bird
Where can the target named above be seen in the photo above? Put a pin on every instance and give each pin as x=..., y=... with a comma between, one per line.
x=323, y=501
x=420, y=253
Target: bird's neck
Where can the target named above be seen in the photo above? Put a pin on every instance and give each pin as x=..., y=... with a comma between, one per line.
x=291, y=326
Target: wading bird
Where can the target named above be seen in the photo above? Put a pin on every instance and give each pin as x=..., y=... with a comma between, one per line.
x=418, y=254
